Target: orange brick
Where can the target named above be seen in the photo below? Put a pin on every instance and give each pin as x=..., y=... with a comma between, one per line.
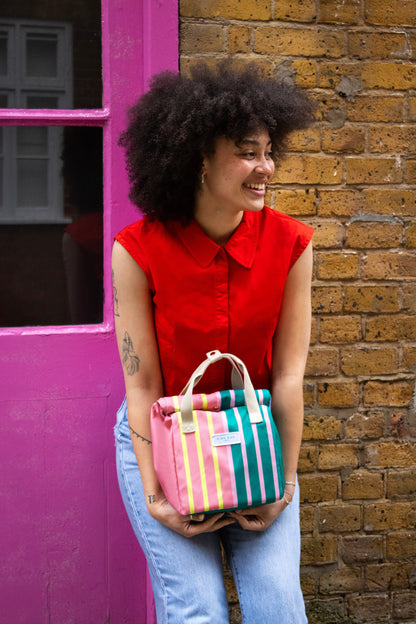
x=373, y=170
x=336, y=12
x=337, y=265
x=306, y=73
x=409, y=298
x=329, y=108
x=391, y=455
x=400, y=139
x=411, y=171
x=308, y=458
x=322, y=362
x=365, y=425
x=371, y=299
x=296, y=203
x=409, y=358
x=338, y=394
x=393, y=13
x=410, y=233
x=300, y=11
x=400, y=202
x=377, y=45
x=363, y=485
x=319, y=550
x=388, y=393
x=239, y=39
x=389, y=516
x=339, y=203
x=326, y=299
x=412, y=107
x=307, y=514
x=404, y=605
x=365, y=361
x=390, y=327
x=373, y=234
x=304, y=140
x=343, y=580
x=317, y=488
x=348, y=139
x=340, y=329
x=362, y=548
x=363, y=608
x=308, y=170
x=401, y=484
x=201, y=38
x=321, y=428
x=299, y=41
x=336, y=456
x=385, y=75
x=389, y=265
x=231, y=9
x=387, y=576
x=331, y=72
x=328, y=234
x=388, y=108
x=401, y=545
x=339, y=518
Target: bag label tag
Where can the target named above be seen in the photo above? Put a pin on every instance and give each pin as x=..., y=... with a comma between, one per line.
x=223, y=439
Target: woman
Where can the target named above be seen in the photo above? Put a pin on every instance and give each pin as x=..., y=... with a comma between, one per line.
x=209, y=267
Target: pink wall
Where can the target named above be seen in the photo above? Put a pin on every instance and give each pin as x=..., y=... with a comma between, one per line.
x=68, y=554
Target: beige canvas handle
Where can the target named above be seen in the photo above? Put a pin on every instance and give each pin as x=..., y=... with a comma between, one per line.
x=240, y=380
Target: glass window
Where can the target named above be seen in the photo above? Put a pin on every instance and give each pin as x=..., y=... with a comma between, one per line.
x=51, y=46
x=52, y=268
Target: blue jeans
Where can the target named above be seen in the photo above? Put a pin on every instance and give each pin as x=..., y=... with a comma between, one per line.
x=186, y=573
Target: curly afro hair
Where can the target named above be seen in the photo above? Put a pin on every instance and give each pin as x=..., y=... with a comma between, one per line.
x=179, y=120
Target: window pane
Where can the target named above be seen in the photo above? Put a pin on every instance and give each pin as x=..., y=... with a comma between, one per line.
x=52, y=266
x=32, y=183
x=3, y=54
x=41, y=56
x=42, y=101
x=32, y=141
x=58, y=47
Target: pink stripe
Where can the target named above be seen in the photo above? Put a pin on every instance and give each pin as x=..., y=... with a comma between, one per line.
x=232, y=398
x=272, y=449
x=208, y=460
x=195, y=473
x=229, y=493
x=259, y=464
x=245, y=460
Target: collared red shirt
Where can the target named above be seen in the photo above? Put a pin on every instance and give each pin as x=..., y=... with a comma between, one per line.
x=208, y=296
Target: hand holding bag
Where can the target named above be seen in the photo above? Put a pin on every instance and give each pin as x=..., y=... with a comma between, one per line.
x=218, y=451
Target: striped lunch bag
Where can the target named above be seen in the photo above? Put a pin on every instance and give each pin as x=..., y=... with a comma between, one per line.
x=218, y=451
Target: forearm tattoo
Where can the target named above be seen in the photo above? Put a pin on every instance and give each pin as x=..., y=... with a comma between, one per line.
x=129, y=358
x=151, y=498
x=138, y=436
x=115, y=296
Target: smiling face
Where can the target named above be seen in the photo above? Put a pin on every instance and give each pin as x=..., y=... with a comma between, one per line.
x=237, y=174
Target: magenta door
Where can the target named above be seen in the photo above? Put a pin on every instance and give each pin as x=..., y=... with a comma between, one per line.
x=68, y=555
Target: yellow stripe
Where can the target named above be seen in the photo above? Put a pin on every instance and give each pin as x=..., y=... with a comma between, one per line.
x=185, y=458
x=216, y=465
x=201, y=462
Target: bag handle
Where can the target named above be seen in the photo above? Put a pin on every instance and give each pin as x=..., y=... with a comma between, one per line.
x=240, y=380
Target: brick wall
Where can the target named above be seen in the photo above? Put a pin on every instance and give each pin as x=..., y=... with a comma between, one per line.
x=353, y=177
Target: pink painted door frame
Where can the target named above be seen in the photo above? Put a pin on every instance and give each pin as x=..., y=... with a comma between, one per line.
x=68, y=554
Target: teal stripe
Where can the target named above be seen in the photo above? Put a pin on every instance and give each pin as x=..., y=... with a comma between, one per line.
x=251, y=454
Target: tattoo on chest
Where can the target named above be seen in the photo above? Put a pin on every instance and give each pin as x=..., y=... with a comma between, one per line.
x=129, y=358
x=115, y=296
x=138, y=436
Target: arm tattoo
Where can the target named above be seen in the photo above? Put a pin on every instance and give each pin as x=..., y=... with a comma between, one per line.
x=129, y=358
x=115, y=296
x=151, y=498
x=140, y=437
